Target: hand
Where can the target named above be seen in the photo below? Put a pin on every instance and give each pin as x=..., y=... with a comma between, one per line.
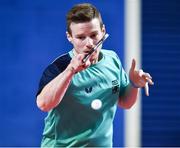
x=140, y=78
x=77, y=63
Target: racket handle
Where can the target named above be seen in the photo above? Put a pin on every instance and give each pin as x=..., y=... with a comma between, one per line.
x=85, y=58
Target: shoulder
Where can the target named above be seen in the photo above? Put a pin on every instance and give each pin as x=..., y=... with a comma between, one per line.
x=112, y=55
x=109, y=52
x=62, y=58
x=57, y=66
x=53, y=69
x=62, y=61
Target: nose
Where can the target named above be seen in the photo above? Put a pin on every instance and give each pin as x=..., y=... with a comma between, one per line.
x=89, y=43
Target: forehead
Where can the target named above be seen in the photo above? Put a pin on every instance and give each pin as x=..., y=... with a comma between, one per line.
x=85, y=27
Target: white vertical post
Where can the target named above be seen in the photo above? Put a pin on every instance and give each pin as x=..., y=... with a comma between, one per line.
x=133, y=50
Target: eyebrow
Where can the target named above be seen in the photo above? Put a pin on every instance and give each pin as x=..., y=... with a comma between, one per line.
x=78, y=35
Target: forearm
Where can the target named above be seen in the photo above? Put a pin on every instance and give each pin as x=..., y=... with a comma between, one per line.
x=129, y=98
x=53, y=92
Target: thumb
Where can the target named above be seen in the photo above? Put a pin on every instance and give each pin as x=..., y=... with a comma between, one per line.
x=133, y=65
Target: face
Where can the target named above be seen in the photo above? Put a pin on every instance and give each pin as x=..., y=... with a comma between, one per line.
x=84, y=36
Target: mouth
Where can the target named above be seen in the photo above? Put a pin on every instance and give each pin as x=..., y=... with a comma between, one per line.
x=90, y=52
x=86, y=52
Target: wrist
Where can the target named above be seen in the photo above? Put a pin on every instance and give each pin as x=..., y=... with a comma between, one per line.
x=133, y=84
x=71, y=69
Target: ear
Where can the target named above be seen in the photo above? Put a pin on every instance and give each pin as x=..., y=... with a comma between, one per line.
x=104, y=29
x=69, y=37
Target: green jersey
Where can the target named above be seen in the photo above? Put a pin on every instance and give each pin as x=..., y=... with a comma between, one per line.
x=85, y=115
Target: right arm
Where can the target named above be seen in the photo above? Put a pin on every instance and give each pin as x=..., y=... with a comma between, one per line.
x=52, y=94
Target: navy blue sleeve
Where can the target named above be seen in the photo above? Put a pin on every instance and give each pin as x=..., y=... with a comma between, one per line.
x=53, y=70
x=49, y=74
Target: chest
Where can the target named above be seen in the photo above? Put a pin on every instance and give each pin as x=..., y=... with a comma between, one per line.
x=96, y=83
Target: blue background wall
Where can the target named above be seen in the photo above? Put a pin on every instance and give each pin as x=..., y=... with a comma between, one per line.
x=32, y=34
x=161, y=57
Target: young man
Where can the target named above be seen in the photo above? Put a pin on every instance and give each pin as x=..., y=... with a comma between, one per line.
x=81, y=97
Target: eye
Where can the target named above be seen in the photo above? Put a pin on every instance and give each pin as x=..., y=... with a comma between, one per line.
x=93, y=35
x=81, y=37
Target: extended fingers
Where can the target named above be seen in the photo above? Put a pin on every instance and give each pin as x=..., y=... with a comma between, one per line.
x=148, y=78
x=145, y=77
x=146, y=89
x=149, y=81
x=144, y=80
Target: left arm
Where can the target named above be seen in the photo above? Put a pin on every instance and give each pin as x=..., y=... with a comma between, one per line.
x=138, y=80
x=129, y=98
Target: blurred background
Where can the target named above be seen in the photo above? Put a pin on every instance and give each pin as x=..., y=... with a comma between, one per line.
x=161, y=56
x=32, y=35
